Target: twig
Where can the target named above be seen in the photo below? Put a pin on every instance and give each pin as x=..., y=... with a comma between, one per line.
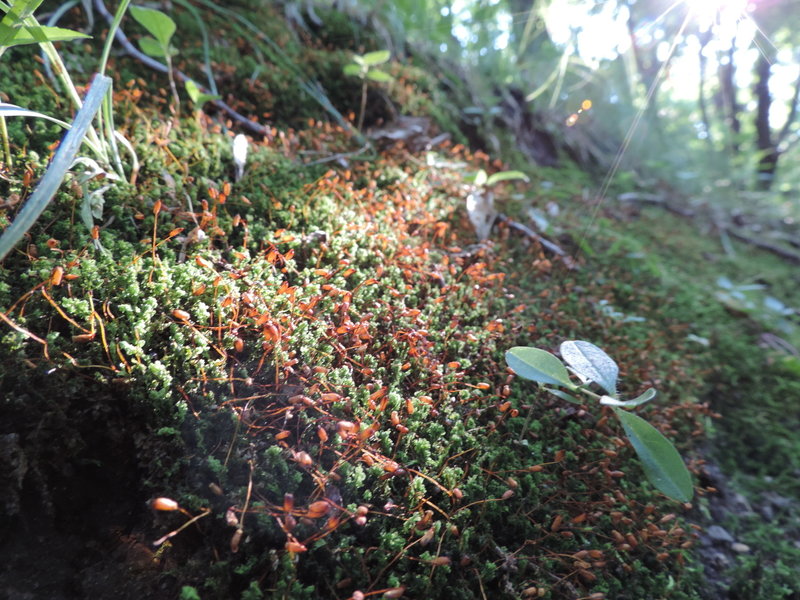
x=338, y=156
x=253, y=127
x=552, y=247
x=532, y=234
x=763, y=244
x=643, y=198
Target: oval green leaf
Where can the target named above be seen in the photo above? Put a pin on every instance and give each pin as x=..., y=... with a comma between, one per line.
x=591, y=364
x=379, y=76
x=198, y=97
x=538, y=365
x=151, y=47
x=661, y=462
x=376, y=58
x=352, y=69
x=159, y=25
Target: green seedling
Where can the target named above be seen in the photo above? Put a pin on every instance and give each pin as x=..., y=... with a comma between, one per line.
x=198, y=96
x=482, y=180
x=661, y=462
x=363, y=67
x=480, y=200
x=161, y=28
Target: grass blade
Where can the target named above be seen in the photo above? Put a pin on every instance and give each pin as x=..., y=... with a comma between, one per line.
x=58, y=168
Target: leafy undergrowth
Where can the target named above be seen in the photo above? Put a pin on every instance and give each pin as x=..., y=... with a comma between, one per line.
x=310, y=361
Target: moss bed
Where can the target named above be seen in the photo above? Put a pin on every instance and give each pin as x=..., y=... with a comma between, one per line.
x=318, y=379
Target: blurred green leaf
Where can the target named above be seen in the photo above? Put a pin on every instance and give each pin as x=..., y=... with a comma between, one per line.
x=151, y=47
x=379, y=76
x=505, y=176
x=353, y=69
x=538, y=365
x=376, y=58
x=157, y=24
x=660, y=460
x=198, y=97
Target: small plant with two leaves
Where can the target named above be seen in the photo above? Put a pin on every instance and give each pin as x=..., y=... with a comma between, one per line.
x=480, y=200
x=364, y=67
x=161, y=28
x=661, y=462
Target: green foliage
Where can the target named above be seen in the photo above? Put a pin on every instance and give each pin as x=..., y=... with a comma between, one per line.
x=19, y=27
x=197, y=96
x=662, y=464
x=189, y=593
x=55, y=173
x=160, y=26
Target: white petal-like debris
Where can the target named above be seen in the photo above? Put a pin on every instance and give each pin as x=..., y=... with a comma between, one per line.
x=239, y=154
x=480, y=207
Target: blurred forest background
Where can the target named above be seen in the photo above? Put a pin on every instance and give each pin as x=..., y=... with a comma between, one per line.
x=700, y=96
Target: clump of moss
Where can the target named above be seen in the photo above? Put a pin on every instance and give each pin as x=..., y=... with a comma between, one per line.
x=322, y=369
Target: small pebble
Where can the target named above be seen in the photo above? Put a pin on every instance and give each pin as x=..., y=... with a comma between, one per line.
x=740, y=548
x=719, y=535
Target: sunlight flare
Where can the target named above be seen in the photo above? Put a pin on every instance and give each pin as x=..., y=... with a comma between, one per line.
x=707, y=13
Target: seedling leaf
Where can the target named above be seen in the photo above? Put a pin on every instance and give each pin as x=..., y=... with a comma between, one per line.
x=661, y=462
x=197, y=96
x=54, y=175
x=505, y=176
x=352, y=69
x=538, y=365
x=151, y=47
x=379, y=76
x=159, y=25
x=376, y=58
x=12, y=110
x=591, y=363
x=645, y=397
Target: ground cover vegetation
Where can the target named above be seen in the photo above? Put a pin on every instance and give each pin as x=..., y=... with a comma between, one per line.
x=290, y=380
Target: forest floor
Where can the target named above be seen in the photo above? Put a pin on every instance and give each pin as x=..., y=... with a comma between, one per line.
x=309, y=361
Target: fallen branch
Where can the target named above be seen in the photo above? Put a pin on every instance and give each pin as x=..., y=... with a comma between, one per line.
x=251, y=126
x=657, y=199
x=723, y=228
x=763, y=244
x=547, y=244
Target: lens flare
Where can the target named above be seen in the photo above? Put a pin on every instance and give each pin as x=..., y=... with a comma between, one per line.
x=707, y=13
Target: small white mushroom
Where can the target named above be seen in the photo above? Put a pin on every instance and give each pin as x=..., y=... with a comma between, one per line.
x=239, y=154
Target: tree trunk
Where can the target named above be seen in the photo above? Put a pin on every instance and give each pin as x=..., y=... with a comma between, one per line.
x=768, y=151
x=730, y=105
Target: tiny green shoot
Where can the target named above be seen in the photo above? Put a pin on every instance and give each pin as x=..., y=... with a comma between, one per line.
x=364, y=67
x=161, y=28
